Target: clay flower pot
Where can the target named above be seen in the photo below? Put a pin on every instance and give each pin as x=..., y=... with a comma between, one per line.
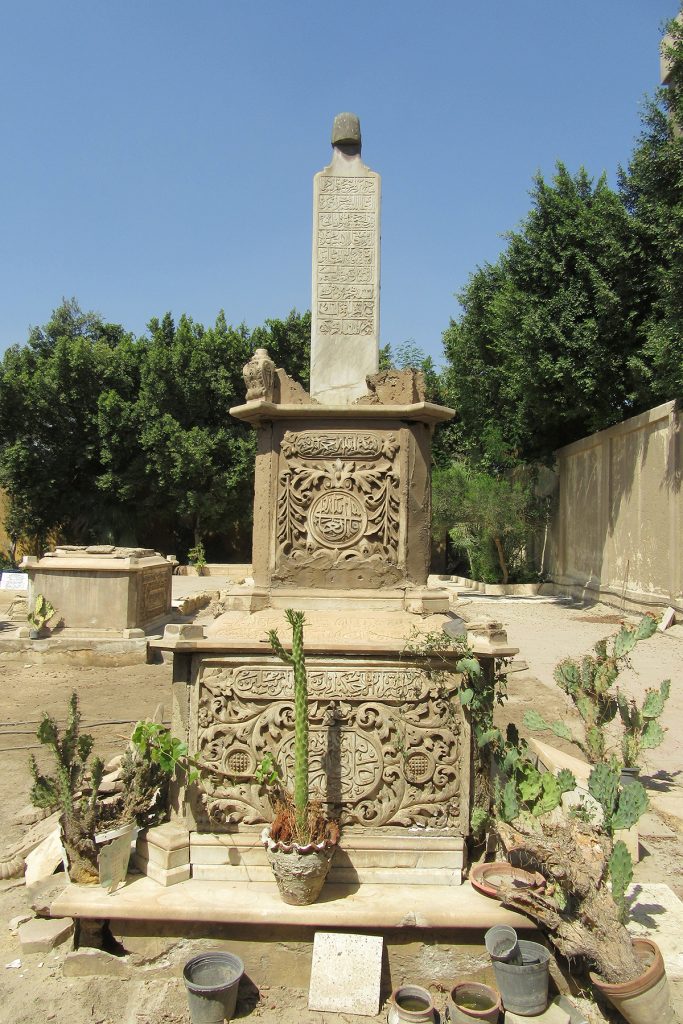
x=471, y=1001
x=645, y=999
x=300, y=871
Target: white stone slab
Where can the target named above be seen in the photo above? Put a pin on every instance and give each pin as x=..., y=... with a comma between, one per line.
x=346, y=973
x=14, y=581
x=657, y=913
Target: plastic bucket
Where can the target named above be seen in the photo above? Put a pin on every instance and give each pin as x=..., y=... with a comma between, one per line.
x=501, y=943
x=212, y=980
x=524, y=987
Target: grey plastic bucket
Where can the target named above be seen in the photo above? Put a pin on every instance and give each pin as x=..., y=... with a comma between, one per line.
x=524, y=987
x=212, y=980
x=502, y=944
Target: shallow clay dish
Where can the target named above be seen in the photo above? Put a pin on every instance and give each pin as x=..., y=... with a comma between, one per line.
x=488, y=878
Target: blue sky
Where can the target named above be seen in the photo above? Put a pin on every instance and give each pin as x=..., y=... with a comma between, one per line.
x=159, y=155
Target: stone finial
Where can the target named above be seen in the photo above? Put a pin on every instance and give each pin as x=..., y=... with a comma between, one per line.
x=346, y=130
x=259, y=376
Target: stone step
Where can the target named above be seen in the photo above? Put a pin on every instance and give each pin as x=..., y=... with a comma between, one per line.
x=258, y=903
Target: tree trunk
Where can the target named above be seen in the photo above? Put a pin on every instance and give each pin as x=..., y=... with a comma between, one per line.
x=501, y=559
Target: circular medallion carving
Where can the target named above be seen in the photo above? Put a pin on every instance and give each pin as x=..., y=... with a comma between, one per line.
x=239, y=762
x=337, y=519
x=418, y=767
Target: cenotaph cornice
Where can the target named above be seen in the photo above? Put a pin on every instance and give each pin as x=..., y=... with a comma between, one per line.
x=261, y=411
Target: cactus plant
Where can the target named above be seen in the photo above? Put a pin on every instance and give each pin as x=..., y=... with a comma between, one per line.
x=71, y=753
x=297, y=660
x=589, y=684
x=41, y=613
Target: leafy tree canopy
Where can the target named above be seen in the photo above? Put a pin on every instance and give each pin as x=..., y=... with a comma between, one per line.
x=543, y=352
x=108, y=437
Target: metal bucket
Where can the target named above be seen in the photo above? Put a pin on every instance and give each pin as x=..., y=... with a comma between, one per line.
x=212, y=980
x=524, y=987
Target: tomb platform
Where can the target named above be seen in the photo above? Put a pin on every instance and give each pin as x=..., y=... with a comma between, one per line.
x=391, y=754
x=102, y=591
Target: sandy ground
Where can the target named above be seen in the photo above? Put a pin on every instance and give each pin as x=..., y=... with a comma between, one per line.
x=154, y=994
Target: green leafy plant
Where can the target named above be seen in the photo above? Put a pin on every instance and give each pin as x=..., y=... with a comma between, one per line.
x=41, y=612
x=155, y=742
x=297, y=818
x=527, y=789
x=197, y=557
x=589, y=684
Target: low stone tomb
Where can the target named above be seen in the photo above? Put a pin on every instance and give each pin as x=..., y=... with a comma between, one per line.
x=390, y=751
x=102, y=589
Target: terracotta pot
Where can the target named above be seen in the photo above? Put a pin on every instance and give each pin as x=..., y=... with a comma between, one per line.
x=645, y=1000
x=300, y=871
x=410, y=1004
x=471, y=1001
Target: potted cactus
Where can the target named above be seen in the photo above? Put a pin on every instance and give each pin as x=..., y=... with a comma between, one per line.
x=583, y=909
x=88, y=821
x=642, y=730
x=300, y=842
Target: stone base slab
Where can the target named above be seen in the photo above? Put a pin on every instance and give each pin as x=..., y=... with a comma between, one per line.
x=258, y=903
x=163, y=853
x=417, y=601
x=84, y=651
x=380, y=860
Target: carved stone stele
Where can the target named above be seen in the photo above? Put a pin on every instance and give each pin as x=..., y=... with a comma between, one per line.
x=389, y=744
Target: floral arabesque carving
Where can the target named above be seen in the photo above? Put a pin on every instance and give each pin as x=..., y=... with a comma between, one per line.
x=339, y=492
x=386, y=745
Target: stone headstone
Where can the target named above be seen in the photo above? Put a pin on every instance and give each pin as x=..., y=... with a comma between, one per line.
x=345, y=303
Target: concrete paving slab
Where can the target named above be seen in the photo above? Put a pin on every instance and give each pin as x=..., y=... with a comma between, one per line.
x=657, y=913
x=346, y=973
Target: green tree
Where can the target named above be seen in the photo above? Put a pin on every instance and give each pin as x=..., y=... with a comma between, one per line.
x=488, y=517
x=49, y=438
x=652, y=189
x=543, y=352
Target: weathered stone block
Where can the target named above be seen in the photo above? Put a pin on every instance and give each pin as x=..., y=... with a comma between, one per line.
x=86, y=963
x=42, y=934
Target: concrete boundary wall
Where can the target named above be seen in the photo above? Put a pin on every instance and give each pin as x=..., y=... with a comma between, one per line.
x=618, y=525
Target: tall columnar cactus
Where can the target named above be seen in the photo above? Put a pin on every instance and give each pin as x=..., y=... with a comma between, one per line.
x=296, y=660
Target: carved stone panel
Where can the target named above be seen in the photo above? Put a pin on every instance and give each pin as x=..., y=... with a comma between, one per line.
x=338, y=505
x=389, y=745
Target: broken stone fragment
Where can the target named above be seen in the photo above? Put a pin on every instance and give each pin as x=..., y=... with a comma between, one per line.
x=41, y=934
x=86, y=963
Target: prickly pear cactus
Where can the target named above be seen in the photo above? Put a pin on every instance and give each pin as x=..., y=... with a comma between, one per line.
x=620, y=872
x=631, y=804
